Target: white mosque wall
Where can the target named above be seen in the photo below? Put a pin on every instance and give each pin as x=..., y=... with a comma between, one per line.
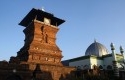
x=93, y=61
x=100, y=62
x=108, y=61
x=96, y=62
x=89, y=62
x=81, y=63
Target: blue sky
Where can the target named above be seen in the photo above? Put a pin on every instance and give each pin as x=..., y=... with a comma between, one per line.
x=86, y=20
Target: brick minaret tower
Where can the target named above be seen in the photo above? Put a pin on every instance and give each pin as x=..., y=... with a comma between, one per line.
x=40, y=57
x=40, y=38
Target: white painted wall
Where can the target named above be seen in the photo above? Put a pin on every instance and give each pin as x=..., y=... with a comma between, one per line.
x=89, y=62
x=108, y=61
x=80, y=63
x=94, y=61
x=100, y=62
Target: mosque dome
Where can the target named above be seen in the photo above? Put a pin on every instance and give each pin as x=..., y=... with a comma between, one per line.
x=96, y=49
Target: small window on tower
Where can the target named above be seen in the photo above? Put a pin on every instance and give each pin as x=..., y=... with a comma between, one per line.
x=47, y=21
x=46, y=59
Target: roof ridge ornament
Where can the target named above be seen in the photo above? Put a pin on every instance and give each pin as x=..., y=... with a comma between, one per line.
x=43, y=9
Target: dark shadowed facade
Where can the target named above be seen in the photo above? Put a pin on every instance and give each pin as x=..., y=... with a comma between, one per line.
x=40, y=57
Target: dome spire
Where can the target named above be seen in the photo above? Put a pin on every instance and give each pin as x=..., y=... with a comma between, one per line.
x=95, y=40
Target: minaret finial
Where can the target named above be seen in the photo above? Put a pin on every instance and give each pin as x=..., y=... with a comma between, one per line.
x=112, y=46
x=121, y=50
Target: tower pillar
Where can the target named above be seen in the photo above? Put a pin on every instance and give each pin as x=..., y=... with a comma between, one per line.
x=115, y=67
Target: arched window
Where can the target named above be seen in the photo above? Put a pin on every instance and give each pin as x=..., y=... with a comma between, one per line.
x=109, y=67
x=100, y=67
x=86, y=67
x=78, y=68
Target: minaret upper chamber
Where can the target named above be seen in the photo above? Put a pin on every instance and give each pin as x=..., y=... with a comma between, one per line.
x=40, y=15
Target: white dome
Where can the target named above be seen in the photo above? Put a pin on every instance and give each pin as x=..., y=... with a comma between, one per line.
x=96, y=49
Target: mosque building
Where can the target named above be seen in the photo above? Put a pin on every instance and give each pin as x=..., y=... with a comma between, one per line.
x=97, y=55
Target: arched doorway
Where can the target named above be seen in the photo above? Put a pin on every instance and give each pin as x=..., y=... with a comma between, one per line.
x=86, y=67
x=14, y=77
